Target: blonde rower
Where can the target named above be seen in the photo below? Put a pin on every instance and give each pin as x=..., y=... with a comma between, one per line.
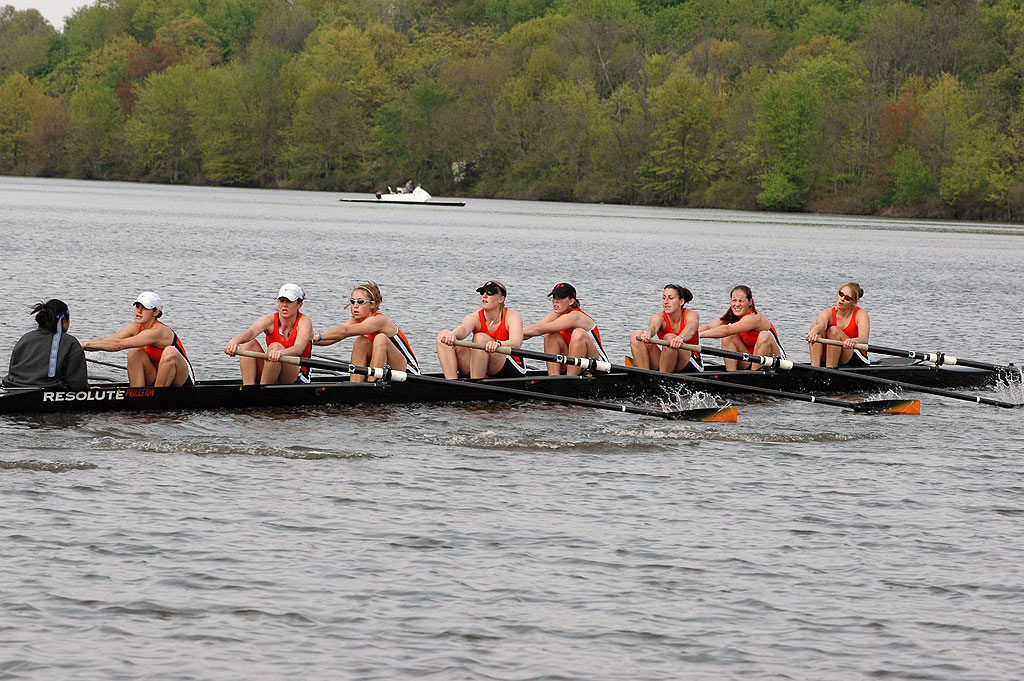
x=845, y=322
x=378, y=340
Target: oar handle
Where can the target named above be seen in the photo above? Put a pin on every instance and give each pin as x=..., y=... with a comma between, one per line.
x=863, y=347
x=285, y=359
x=586, y=363
x=383, y=373
x=501, y=349
x=773, y=362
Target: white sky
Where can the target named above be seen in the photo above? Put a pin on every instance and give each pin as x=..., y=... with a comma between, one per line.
x=53, y=10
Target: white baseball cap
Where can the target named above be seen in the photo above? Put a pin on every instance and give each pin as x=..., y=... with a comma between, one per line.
x=292, y=292
x=150, y=301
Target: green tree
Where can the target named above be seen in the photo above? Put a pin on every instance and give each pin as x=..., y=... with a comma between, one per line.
x=789, y=135
x=96, y=133
x=20, y=101
x=24, y=41
x=159, y=130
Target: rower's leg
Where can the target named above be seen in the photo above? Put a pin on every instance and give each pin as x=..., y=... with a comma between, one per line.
x=734, y=344
x=173, y=369
x=385, y=352
x=141, y=371
x=449, y=357
x=271, y=373
x=554, y=344
x=362, y=350
x=251, y=367
x=478, y=360
x=581, y=344
x=766, y=345
x=835, y=355
x=643, y=353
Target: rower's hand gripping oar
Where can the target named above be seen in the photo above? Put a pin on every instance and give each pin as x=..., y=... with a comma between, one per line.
x=388, y=374
x=938, y=358
x=914, y=386
x=877, y=406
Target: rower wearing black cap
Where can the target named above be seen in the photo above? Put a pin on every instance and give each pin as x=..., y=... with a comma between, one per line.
x=492, y=325
x=567, y=330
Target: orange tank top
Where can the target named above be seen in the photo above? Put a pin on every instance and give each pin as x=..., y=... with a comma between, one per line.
x=667, y=329
x=749, y=338
x=851, y=329
x=274, y=336
x=567, y=333
x=500, y=333
x=156, y=353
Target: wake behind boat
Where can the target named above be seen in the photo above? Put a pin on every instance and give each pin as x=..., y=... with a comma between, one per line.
x=418, y=196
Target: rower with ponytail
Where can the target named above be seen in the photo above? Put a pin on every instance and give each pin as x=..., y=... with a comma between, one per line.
x=49, y=356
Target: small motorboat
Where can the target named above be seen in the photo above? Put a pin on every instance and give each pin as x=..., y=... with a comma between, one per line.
x=418, y=196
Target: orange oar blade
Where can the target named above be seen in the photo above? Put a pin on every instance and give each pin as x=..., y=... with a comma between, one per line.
x=724, y=415
x=905, y=407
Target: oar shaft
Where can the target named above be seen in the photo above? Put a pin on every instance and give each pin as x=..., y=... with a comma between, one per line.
x=939, y=358
x=106, y=364
x=685, y=378
x=586, y=363
x=397, y=376
x=773, y=362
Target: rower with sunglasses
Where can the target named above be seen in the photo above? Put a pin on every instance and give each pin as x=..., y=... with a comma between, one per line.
x=846, y=322
x=676, y=324
x=743, y=328
x=567, y=330
x=288, y=332
x=378, y=340
x=492, y=325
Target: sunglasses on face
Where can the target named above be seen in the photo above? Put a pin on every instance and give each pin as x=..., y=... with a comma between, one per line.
x=844, y=296
x=491, y=291
x=358, y=301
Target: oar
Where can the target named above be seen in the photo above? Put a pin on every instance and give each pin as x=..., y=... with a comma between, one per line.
x=106, y=364
x=786, y=364
x=939, y=358
x=388, y=374
x=875, y=406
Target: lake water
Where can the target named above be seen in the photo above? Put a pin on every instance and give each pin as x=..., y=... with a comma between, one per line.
x=493, y=541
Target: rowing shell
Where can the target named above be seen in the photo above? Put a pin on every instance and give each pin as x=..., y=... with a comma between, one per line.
x=224, y=394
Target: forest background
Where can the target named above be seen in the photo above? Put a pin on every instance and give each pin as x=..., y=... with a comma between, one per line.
x=889, y=107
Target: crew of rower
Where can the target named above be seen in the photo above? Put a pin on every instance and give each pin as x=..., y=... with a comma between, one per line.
x=49, y=356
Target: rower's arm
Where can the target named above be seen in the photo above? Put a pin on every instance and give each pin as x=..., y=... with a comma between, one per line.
x=514, y=324
x=261, y=325
x=749, y=322
x=819, y=326
x=692, y=323
x=654, y=326
x=863, y=326
x=552, y=324
x=125, y=338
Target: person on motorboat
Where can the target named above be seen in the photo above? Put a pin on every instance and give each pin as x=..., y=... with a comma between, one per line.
x=408, y=188
x=675, y=323
x=492, y=325
x=846, y=322
x=48, y=356
x=378, y=340
x=156, y=356
x=567, y=330
x=287, y=332
x=744, y=329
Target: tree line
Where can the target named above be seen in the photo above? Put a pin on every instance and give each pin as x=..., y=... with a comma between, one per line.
x=890, y=107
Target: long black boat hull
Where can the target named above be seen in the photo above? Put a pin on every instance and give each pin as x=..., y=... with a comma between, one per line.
x=332, y=391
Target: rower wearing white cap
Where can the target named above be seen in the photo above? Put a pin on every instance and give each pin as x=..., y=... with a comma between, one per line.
x=156, y=355
x=288, y=332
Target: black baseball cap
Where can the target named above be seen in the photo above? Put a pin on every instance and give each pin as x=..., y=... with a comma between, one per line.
x=493, y=284
x=563, y=291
